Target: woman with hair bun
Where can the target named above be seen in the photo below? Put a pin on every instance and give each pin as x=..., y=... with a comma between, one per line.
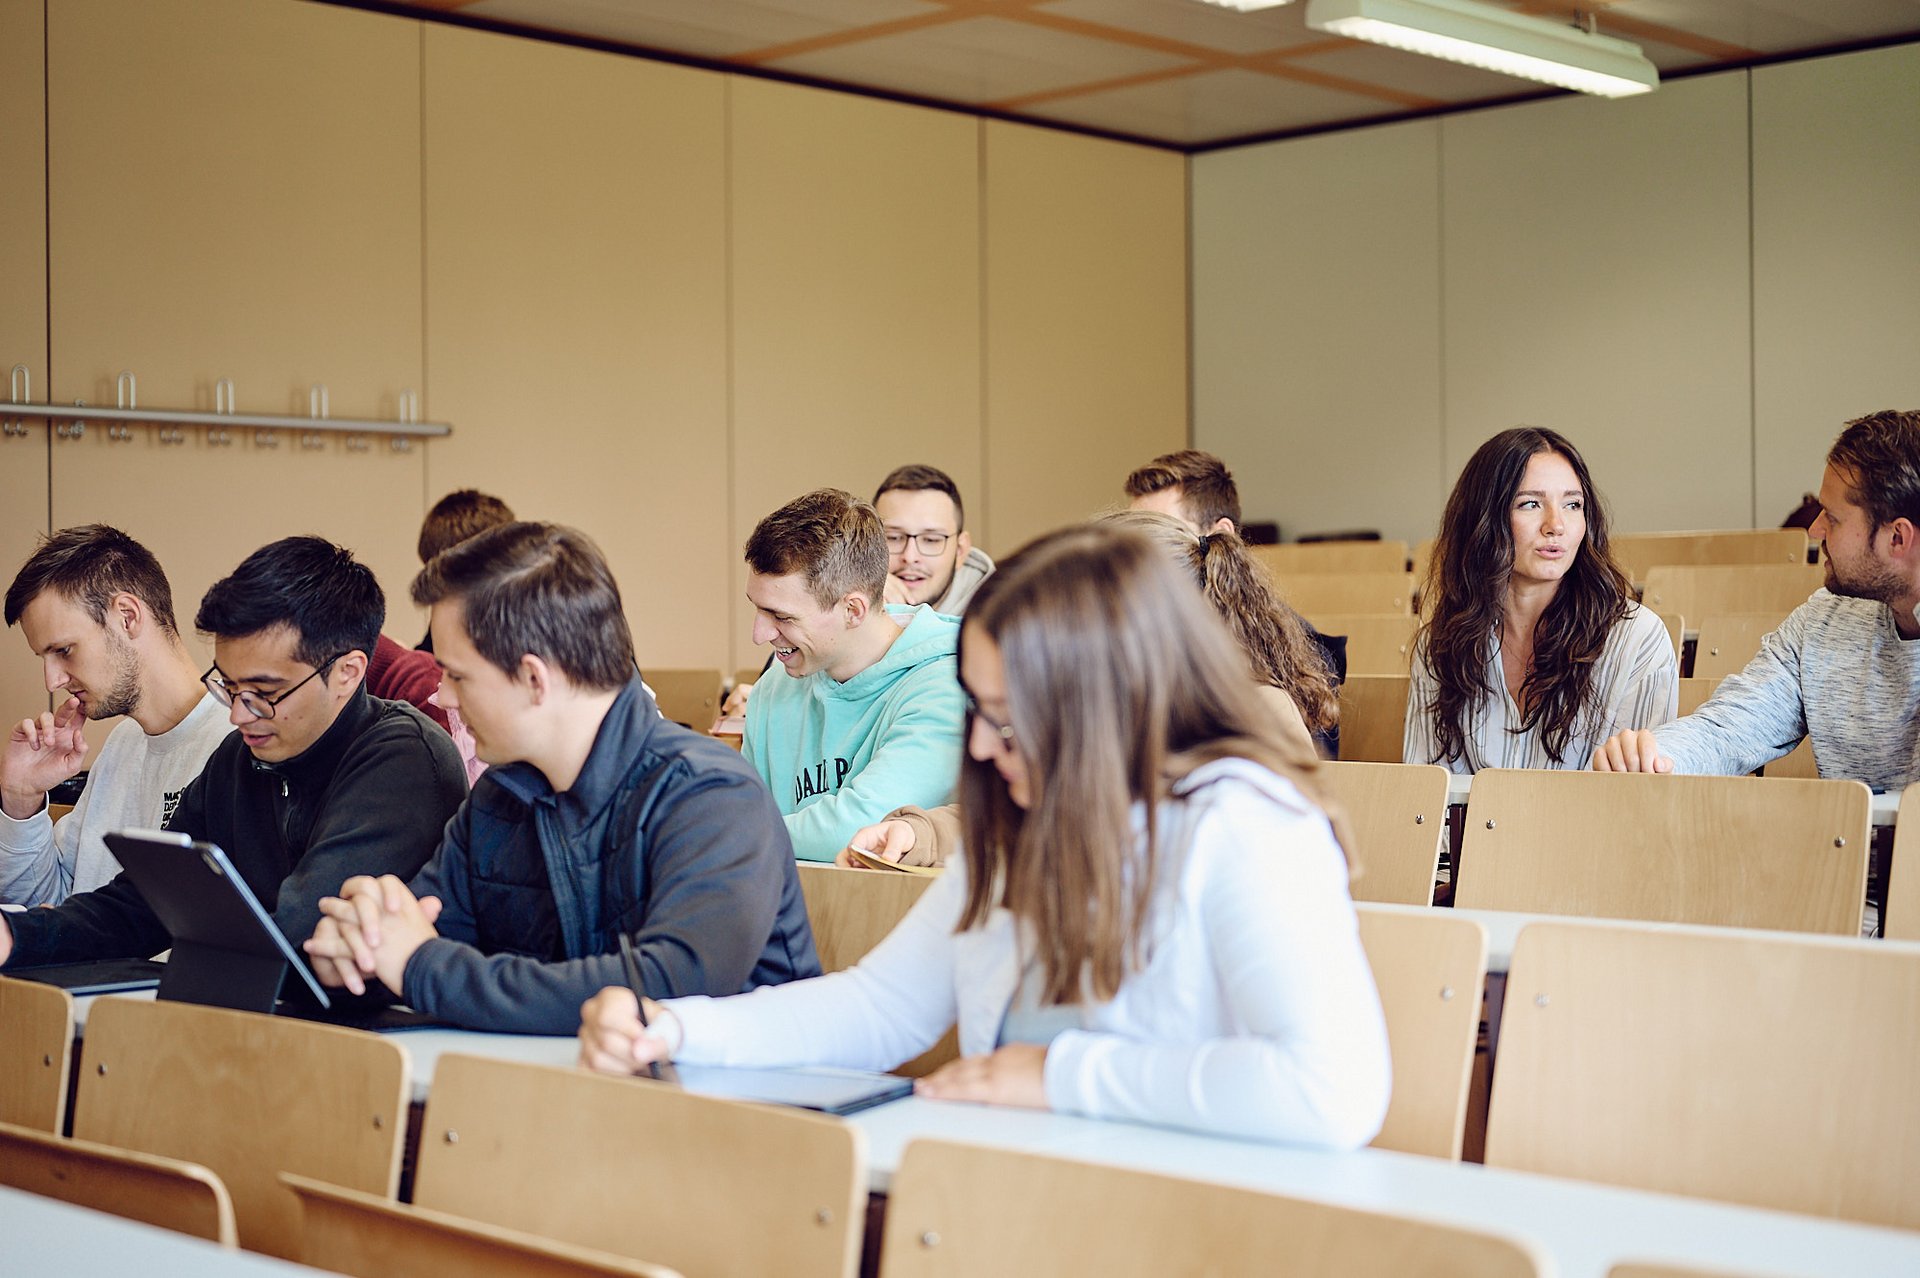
x=1533, y=651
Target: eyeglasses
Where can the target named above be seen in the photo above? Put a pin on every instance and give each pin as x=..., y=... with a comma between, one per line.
x=930, y=543
x=256, y=705
x=1004, y=729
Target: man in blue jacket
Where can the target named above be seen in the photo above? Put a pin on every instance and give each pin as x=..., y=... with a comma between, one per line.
x=596, y=818
x=869, y=714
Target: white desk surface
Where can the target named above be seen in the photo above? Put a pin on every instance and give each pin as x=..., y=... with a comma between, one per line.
x=1885, y=806
x=1585, y=1228
x=46, y=1236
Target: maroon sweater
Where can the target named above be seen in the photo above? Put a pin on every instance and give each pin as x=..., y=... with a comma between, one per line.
x=403, y=674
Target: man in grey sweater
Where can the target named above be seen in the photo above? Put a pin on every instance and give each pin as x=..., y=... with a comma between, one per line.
x=1844, y=668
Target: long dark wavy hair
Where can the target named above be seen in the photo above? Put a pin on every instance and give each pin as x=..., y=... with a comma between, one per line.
x=1466, y=590
x=1119, y=681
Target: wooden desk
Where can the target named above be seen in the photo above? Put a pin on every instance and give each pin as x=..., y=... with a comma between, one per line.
x=46, y=1236
x=1585, y=1228
x=1886, y=807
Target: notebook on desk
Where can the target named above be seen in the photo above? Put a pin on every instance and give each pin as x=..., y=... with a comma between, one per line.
x=830, y=1091
x=227, y=950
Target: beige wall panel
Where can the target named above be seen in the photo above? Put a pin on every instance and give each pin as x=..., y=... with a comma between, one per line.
x=235, y=193
x=1836, y=257
x=23, y=319
x=1316, y=328
x=855, y=300
x=576, y=312
x=1086, y=305
x=244, y=203
x=1595, y=280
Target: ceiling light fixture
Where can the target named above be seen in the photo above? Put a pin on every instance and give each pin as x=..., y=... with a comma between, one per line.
x=1494, y=39
x=1246, y=6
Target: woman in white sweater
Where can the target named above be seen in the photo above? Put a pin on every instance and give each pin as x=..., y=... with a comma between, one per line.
x=1151, y=918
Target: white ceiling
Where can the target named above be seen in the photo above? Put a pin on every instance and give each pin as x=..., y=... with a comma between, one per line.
x=1176, y=72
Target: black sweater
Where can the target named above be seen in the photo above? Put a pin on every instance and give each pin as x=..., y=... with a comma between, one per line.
x=371, y=796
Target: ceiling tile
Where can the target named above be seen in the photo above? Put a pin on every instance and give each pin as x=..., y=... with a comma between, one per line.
x=701, y=28
x=1194, y=23
x=1774, y=26
x=980, y=60
x=1208, y=107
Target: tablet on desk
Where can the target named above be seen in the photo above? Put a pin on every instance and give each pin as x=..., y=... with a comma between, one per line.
x=830, y=1091
x=107, y=976
x=227, y=950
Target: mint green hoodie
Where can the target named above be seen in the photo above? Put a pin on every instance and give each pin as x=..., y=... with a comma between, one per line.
x=839, y=756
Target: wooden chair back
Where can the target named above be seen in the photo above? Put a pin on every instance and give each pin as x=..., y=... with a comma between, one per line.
x=1737, y=588
x=851, y=911
x=1422, y=557
x=36, y=1051
x=1734, y=851
x=349, y=1232
x=1398, y=812
x=644, y=1170
x=1900, y=904
x=1430, y=967
x=1317, y=594
x=1728, y=641
x=1694, y=693
x=1796, y=764
x=1376, y=645
x=1676, y=631
x=959, y=1210
x=1640, y=553
x=746, y=674
x=1775, y=1071
x=1316, y=557
x=57, y=810
x=1373, y=718
x=688, y=697
x=248, y=1096
x=183, y=1197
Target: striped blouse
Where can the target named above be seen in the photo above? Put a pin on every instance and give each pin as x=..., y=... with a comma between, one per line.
x=1636, y=683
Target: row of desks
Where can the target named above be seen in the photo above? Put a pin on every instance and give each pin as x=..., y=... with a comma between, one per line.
x=1585, y=1228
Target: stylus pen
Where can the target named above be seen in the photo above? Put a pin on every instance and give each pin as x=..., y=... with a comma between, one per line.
x=662, y=1070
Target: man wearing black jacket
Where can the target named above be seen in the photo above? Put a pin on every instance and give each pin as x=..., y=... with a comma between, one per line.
x=321, y=780
x=596, y=818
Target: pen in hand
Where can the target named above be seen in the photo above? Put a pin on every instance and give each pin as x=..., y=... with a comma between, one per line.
x=662, y=1070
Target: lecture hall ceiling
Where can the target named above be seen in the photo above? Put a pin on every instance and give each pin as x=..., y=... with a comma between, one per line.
x=1176, y=72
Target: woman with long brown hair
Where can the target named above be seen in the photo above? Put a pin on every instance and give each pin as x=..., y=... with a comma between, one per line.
x=1150, y=920
x=1534, y=650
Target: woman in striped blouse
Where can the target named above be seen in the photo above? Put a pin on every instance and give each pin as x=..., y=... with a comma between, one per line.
x=1534, y=650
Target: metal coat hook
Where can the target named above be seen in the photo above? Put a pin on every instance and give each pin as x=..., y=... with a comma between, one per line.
x=220, y=436
x=126, y=395
x=19, y=391
x=72, y=429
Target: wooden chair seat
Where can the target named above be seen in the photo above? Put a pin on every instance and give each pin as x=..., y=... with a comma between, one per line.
x=181, y=1196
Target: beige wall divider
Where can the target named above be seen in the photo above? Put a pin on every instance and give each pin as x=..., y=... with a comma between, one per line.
x=23, y=324
x=576, y=241
x=855, y=301
x=235, y=194
x=1085, y=322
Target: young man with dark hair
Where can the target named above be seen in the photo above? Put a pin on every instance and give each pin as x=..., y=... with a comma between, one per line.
x=869, y=714
x=96, y=609
x=1844, y=667
x=931, y=557
x=1190, y=485
x=463, y=513
x=321, y=781
x=597, y=818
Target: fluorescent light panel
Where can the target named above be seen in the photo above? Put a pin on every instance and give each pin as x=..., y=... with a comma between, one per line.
x=1246, y=6
x=1494, y=39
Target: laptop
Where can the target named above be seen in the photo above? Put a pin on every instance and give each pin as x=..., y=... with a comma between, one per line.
x=227, y=950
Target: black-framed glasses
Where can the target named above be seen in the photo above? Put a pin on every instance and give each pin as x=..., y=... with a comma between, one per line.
x=930, y=543
x=1004, y=729
x=260, y=707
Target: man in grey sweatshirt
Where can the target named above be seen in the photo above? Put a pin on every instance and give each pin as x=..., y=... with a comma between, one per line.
x=1844, y=668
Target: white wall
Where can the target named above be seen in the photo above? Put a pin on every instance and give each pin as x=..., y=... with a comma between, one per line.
x=1698, y=287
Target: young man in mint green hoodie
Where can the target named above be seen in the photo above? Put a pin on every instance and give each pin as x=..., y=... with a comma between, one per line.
x=869, y=715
